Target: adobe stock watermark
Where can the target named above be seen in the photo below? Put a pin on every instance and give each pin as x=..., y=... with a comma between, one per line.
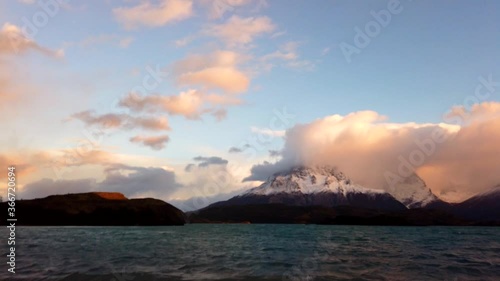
x=47, y=9
x=363, y=37
x=427, y=147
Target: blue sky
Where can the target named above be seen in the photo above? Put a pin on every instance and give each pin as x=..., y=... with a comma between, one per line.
x=427, y=59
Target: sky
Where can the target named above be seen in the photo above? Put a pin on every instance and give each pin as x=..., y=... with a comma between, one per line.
x=195, y=101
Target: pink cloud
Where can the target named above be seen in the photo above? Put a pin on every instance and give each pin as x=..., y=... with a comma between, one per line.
x=154, y=142
x=217, y=70
x=237, y=31
x=463, y=159
x=150, y=15
x=124, y=121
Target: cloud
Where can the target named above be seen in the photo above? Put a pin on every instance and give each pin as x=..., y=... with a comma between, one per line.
x=238, y=31
x=150, y=15
x=188, y=104
x=205, y=162
x=139, y=181
x=154, y=142
x=217, y=8
x=46, y=187
x=155, y=124
x=131, y=181
x=218, y=70
x=239, y=149
x=235, y=150
x=13, y=41
x=268, y=132
x=198, y=202
x=206, y=184
x=17, y=89
x=22, y=164
x=274, y=153
x=191, y=104
x=287, y=56
x=31, y=164
x=220, y=114
x=288, y=52
x=189, y=167
x=82, y=155
x=184, y=41
x=226, y=78
x=111, y=120
x=462, y=156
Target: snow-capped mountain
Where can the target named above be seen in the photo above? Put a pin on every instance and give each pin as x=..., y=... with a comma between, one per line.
x=413, y=192
x=309, y=180
x=321, y=185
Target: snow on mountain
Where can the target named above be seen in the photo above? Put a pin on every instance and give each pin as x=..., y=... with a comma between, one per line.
x=413, y=192
x=307, y=180
x=315, y=186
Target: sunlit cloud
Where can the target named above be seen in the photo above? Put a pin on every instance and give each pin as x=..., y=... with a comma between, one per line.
x=368, y=149
x=154, y=142
x=124, y=121
x=150, y=15
x=237, y=31
x=13, y=41
x=218, y=70
x=191, y=104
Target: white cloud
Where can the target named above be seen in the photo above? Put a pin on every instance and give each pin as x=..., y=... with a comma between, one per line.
x=268, y=132
x=288, y=56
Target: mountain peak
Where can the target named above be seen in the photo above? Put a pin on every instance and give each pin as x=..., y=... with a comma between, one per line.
x=308, y=180
x=305, y=171
x=315, y=186
x=413, y=192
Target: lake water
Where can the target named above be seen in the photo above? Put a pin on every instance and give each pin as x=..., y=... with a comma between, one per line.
x=255, y=252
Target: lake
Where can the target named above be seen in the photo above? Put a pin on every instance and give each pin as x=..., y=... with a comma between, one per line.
x=255, y=252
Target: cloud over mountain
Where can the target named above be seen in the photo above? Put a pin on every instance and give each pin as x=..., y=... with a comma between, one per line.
x=373, y=152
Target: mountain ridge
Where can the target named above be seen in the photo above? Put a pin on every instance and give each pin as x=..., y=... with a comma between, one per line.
x=319, y=185
x=325, y=195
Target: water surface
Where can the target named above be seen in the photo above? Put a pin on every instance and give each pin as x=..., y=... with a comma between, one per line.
x=256, y=252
